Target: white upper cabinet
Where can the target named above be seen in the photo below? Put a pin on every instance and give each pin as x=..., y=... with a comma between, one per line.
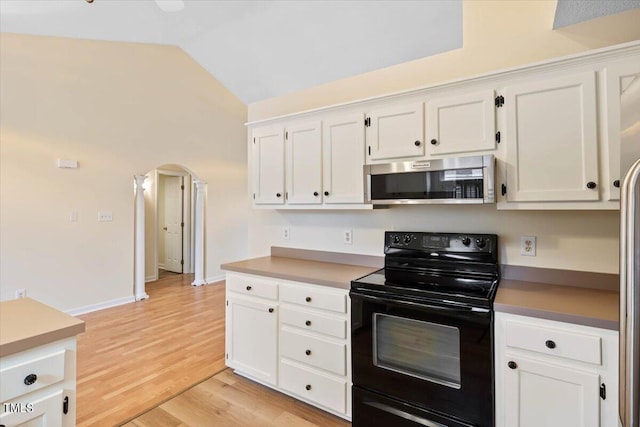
x=395, y=132
x=303, y=163
x=343, y=158
x=623, y=113
x=551, y=139
x=268, y=165
x=460, y=124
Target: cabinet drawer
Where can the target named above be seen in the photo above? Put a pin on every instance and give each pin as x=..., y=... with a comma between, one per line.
x=30, y=375
x=317, y=387
x=315, y=298
x=314, y=322
x=254, y=286
x=313, y=351
x=555, y=342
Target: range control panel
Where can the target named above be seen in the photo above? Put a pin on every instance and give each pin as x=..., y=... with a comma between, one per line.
x=440, y=242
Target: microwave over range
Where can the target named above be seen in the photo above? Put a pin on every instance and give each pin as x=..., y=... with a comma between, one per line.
x=449, y=180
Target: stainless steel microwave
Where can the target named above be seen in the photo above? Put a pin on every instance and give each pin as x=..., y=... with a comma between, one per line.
x=447, y=180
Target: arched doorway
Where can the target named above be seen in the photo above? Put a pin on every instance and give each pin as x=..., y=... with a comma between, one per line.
x=165, y=235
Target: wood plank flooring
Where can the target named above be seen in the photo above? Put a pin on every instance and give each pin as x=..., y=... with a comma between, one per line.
x=150, y=360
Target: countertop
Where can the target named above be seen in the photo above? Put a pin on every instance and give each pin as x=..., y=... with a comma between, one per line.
x=535, y=292
x=26, y=323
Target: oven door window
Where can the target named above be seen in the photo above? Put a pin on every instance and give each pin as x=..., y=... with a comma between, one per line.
x=420, y=349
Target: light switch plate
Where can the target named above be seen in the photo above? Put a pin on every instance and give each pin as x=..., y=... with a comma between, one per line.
x=105, y=216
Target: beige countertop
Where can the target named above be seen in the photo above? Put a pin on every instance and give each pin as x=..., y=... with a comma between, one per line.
x=26, y=323
x=590, y=307
x=302, y=270
x=535, y=292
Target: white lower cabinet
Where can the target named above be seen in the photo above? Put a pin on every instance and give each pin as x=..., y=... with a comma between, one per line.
x=38, y=386
x=293, y=337
x=554, y=374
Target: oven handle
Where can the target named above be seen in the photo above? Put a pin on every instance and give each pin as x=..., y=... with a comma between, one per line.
x=419, y=305
x=407, y=416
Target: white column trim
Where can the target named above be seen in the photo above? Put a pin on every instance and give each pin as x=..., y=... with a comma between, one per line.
x=198, y=231
x=139, y=273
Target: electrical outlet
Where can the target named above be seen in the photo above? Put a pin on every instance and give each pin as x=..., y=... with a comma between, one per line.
x=286, y=233
x=348, y=236
x=73, y=217
x=105, y=216
x=21, y=293
x=528, y=245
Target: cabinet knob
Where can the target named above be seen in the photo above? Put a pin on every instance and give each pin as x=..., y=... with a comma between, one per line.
x=30, y=379
x=591, y=185
x=248, y=287
x=326, y=193
x=550, y=344
x=616, y=183
x=308, y=323
x=512, y=364
x=434, y=142
x=308, y=299
x=271, y=310
x=278, y=195
x=308, y=386
x=315, y=193
x=307, y=352
x=417, y=143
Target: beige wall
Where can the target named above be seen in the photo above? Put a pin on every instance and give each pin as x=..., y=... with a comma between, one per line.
x=119, y=109
x=497, y=34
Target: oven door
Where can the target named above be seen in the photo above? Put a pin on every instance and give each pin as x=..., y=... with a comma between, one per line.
x=433, y=356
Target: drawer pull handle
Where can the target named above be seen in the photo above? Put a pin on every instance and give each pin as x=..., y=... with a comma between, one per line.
x=271, y=310
x=308, y=323
x=248, y=287
x=308, y=299
x=30, y=379
x=308, y=386
x=550, y=344
x=512, y=365
x=307, y=352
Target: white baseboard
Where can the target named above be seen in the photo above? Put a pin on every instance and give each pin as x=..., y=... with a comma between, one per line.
x=100, y=306
x=214, y=279
x=151, y=278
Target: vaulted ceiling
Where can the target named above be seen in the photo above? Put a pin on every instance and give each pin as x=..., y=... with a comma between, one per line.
x=261, y=49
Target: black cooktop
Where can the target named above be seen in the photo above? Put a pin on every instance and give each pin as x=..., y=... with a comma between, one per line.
x=446, y=268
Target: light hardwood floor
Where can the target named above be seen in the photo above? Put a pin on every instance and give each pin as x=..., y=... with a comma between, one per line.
x=156, y=354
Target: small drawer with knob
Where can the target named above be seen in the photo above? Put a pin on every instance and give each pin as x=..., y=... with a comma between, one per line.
x=315, y=298
x=252, y=286
x=319, y=353
x=31, y=375
x=313, y=322
x=314, y=386
x=555, y=342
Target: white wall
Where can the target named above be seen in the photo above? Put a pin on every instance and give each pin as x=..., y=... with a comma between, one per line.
x=119, y=109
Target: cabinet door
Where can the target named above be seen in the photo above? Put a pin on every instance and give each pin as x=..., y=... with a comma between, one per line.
x=396, y=132
x=462, y=123
x=43, y=412
x=251, y=338
x=541, y=394
x=551, y=137
x=304, y=163
x=623, y=113
x=343, y=159
x=268, y=166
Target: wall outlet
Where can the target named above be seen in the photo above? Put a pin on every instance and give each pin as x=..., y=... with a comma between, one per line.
x=105, y=216
x=348, y=236
x=528, y=245
x=21, y=293
x=73, y=217
x=286, y=233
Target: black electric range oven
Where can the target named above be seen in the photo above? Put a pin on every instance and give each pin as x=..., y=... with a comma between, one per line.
x=422, y=332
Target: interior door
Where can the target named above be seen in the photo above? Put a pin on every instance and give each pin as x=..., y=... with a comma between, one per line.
x=173, y=188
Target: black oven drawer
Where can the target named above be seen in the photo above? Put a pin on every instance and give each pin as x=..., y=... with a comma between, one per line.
x=375, y=410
